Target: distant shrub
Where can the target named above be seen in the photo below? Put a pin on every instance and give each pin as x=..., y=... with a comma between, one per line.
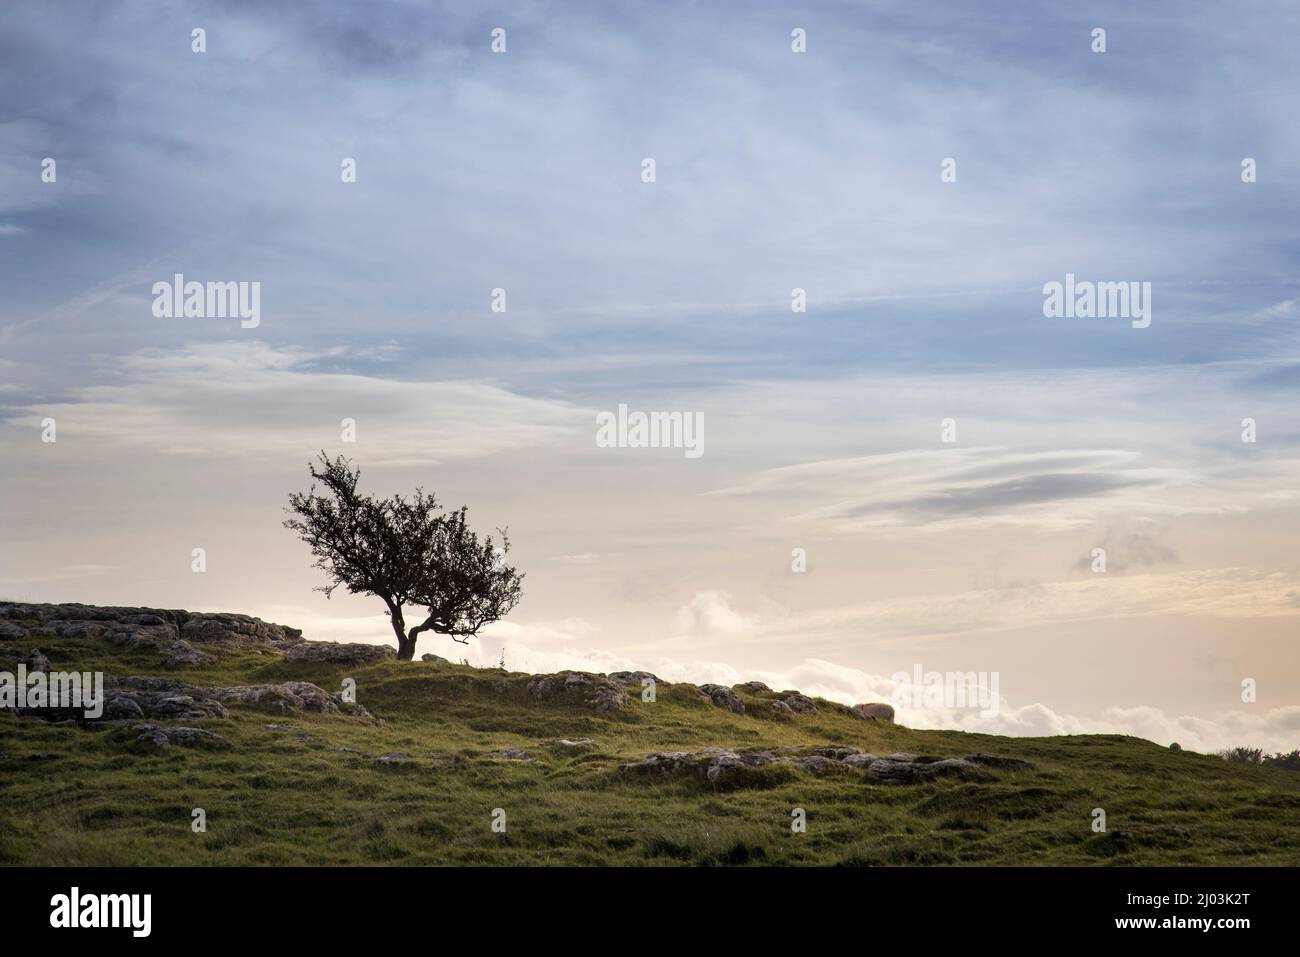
x=1286, y=760
x=1243, y=755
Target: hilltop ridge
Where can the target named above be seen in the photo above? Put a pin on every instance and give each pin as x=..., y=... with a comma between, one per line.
x=316, y=752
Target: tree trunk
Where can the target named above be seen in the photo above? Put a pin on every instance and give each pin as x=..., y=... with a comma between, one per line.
x=406, y=646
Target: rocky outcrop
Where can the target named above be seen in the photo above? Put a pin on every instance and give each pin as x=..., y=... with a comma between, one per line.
x=181, y=654
x=165, y=699
x=510, y=754
x=350, y=653
x=753, y=687
x=723, y=697
x=797, y=702
x=595, y=691
x=153, y=739
x=154, y=629
x=637, y=678
x=722, y=766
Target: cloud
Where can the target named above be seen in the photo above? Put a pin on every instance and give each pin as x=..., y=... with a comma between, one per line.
x=711, y=613
x=250, y=399
x=949, y=487
x=1129, y=549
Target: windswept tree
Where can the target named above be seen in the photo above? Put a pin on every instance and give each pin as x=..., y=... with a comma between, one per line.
x=405, y=551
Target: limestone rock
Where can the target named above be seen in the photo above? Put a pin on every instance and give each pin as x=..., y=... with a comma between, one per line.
x=723, y=697
x=181, y=654
x=797, y=702
x=153, y=738
x=596, y=691
x=637, y=678
x=351, y=653
x=510, y=754
x=436, y=659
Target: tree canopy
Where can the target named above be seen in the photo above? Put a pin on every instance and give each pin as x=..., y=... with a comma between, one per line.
x=407, y=551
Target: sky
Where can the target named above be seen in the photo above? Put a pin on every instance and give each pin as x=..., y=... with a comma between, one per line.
x=774, y=170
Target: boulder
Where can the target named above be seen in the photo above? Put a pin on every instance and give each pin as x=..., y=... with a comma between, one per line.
x=885, y=771
x=181, y=654
x=154, y=739
x=637, y=678
x=350, y=653
x=753, y=687
x=510, y=754
x=596, y=691
x=798, y=702
x=436, y=659
x=723, y=697
x=874, y=712
x=717, y=766
x=817, y=764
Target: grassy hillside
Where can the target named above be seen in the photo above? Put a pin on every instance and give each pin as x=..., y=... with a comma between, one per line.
x=284, y=792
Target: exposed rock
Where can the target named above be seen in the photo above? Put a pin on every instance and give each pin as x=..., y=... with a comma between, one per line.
x=798, y=702
x=637, y=678
x=874, y=712
x=723, y=697
x=818, y=764
x=753, y=687
x=143, y=628
x=167, y=699
x=1000, y=763
x=838, y=752
x=181, y=654
x=351, y=653
x=510, y=754
x=575, y=742
x=236, y=631
x=393, y=757
x=886, y=771
x=772, y=709
x=281, y=699
x=719, y=766
x=723, y=766
x=153, y=738
x=859, y=760
x=596, y=691
x=436, y=659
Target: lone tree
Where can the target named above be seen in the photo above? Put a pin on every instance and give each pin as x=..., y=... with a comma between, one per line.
x=405, y=551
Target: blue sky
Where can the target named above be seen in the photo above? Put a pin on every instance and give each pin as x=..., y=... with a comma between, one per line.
x=775, y=170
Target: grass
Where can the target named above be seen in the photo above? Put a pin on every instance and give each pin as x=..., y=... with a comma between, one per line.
x=71, y=795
